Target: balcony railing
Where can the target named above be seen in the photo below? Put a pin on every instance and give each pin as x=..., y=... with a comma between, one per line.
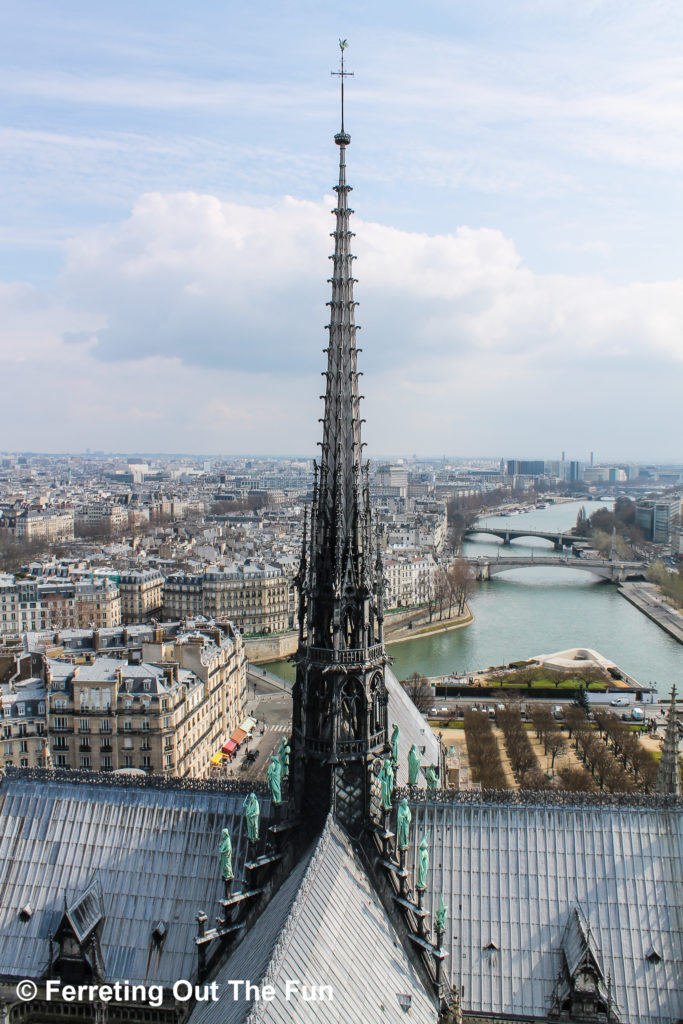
x=350, y=656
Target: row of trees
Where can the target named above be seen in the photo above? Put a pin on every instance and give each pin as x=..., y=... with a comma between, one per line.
x=548, y=732
x=482, y=751
x=519, y=749
x=453, y=587
x=601, y=526
x=670, y=583
x=627, y=747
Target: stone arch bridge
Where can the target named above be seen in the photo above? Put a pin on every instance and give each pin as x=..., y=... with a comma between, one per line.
x=616, y=572
x=508, y=533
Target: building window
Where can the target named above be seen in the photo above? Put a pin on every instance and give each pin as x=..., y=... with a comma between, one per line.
x=84, y=725
x=8, y=750
x=127, y=761
x=144, y=724
x=146, y=761
x=106, y=761
x=85, y=762
x=127, y=724
x=23, y=747
x=24, y=762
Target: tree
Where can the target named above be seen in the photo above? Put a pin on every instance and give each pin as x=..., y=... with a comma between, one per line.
x=419, y=690
x=554, y=744
x=582, y=528
x=461, y=581
x=581, y=700
x=534, y=778
x=575, y=780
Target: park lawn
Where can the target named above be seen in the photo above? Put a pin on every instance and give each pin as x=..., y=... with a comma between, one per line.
x=549, y=684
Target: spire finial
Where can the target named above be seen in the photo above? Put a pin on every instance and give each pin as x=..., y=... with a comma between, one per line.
x=343, y=43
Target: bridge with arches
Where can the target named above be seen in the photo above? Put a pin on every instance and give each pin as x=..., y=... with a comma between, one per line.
x=486, y=567
x=508, y=533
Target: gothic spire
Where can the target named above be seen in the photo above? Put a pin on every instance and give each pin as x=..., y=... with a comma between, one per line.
x=668, y=774
x=340, y=541
x=340, y=700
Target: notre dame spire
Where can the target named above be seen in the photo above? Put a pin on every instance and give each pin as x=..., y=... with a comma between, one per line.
x=340, y=703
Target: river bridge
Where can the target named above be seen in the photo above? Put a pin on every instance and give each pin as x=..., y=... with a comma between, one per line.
x=488, y=566
x=559, y=539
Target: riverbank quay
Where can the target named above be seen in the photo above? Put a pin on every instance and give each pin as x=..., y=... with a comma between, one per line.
x=647, y=599
x=399, y=624
x=421, y=626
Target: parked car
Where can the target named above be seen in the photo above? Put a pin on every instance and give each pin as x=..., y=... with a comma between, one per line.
x=620, y=702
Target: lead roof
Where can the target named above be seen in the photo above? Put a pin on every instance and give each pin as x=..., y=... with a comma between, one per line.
x=154, y=853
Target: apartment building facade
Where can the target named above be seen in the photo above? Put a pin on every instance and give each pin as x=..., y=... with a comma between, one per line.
x=141, y=593
x=253, y=596
x=24, y=735
x=409, y=580
x=31, y=604
x=158, y=717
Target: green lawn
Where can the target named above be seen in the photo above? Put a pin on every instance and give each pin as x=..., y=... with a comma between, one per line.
x=549, y=684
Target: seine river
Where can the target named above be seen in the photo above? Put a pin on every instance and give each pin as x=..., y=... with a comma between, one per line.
x=539, y=610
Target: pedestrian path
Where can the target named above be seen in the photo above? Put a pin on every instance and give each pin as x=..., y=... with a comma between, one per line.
x=278, y=728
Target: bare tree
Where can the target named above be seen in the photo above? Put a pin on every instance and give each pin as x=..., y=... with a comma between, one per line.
x=554, y=744
x=461, y=582
x=576, y=780
x=419, y=690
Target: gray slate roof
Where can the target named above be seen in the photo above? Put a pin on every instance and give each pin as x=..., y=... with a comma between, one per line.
x=413, y=728
x=512, y=877
x=154, y=853
x=325, y=926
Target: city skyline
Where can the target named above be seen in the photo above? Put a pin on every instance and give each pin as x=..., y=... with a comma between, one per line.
x=520, y=274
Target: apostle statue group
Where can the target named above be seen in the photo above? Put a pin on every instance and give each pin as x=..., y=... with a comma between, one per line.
x=278, y=770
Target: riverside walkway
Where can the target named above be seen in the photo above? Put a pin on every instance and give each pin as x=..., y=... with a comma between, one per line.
x=647, y=599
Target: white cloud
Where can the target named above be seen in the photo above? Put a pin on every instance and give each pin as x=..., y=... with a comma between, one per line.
x=196, y=324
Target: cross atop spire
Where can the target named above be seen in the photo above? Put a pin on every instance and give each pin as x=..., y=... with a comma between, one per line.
x=342, y=139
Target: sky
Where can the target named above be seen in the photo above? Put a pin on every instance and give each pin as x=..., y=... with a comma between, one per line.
x=166, y=176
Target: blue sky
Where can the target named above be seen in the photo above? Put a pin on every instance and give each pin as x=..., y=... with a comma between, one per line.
x=166, y=181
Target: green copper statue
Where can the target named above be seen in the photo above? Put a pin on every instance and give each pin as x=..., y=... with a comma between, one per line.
x=413, y=766
x=283, y=754
x=422, y=863
x=432, y=778
x=386, y=778
x=440, y=922
x=273, y=778
x=225, y=850
x=253, y=813
x=403, y=819
x=394, y=743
